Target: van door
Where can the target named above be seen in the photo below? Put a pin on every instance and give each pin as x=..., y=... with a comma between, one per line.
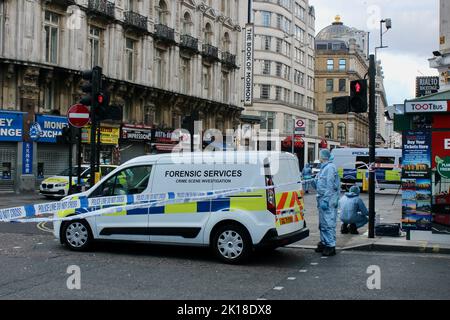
x=125, y=224
x=180, y=223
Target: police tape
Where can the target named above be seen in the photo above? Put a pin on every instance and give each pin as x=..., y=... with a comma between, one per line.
x=93, y=206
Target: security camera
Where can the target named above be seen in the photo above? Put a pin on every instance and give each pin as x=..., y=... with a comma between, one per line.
x=388, y=24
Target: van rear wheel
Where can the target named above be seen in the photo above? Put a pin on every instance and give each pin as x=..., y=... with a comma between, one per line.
x=232, y=244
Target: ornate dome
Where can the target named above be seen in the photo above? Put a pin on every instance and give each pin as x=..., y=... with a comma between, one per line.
x=336, y=31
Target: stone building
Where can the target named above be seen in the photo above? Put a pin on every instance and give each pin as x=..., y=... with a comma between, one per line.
x=341, y=56
x=162, y=60
x=284, y=62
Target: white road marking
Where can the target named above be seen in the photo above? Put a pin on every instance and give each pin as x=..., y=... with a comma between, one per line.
x=17, y=248
x=314, y=263
x=292, y=278
x=278, y=288
x=303, y=271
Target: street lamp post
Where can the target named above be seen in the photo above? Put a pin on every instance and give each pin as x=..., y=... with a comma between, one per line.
x=372, y=127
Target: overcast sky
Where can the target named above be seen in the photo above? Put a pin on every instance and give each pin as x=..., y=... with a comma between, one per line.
x=412, y=39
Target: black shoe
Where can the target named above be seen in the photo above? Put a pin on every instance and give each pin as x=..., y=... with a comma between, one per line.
x=329, y=251
x=344, y=228
x=353, y=229
x=320, y=247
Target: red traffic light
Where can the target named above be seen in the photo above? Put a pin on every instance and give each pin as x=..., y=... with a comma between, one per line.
x=100, y=98
x=357, y=87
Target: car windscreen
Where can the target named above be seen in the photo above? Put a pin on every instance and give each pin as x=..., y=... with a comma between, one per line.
x=66, y=172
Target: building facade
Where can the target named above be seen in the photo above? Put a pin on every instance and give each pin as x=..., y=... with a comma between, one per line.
x=161, y=59
x=284, y=59
x=381, y=105
x=341, y=56
x=441, y=61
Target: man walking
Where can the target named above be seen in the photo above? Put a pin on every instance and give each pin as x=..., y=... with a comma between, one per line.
x=328, y=186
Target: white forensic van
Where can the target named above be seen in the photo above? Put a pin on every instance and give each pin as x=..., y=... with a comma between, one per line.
x=270, y=215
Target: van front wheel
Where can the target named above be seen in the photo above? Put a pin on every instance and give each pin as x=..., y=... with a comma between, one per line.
x=232, y=244
x=77, y=235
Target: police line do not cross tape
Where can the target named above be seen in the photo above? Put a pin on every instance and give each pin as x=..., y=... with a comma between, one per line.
x=35, y=213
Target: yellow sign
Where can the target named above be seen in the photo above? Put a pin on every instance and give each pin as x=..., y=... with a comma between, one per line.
x=108, y=135
x=393, y=175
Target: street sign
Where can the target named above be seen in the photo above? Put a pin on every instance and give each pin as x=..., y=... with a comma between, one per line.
x=300, y=127
x=78, y=115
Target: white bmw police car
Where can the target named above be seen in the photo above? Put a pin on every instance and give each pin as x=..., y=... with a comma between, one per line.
x=271, y=214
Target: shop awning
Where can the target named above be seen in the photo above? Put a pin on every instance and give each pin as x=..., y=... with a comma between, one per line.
x=287, y=143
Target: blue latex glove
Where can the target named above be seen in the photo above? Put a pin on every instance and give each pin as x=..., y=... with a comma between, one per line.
x=324, y=205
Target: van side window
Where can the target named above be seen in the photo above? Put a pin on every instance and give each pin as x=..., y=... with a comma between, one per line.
x=132, y=180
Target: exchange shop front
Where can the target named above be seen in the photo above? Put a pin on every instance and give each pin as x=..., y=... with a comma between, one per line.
x=135, y=141
x=11, y=132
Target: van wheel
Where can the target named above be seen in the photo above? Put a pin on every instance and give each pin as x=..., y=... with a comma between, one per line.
x=77, y=235
x=232, y=244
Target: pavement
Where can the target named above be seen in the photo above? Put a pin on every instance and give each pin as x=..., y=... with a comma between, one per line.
x=388, y=207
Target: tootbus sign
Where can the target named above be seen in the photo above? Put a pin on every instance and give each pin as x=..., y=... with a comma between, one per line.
x=427, y=106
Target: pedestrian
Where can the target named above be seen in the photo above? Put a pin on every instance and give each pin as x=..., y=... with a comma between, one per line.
x=354, y=213
x=328, y=185
x=307, y=176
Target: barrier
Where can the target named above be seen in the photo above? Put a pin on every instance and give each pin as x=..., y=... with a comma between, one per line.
x=35, y=213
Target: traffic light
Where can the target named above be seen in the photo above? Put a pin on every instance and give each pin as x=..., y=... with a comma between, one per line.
x=341, y=105
x=69, y=135
x=358, y=96
x=92, y=87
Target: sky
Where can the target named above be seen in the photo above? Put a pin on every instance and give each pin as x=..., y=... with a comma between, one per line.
x=412, y=39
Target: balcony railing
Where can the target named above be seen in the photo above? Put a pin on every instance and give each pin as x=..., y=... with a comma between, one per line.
x=164, y=33
x=229, y=59
x=102, y=7
x=136, y=20
x=210, y=52
x=189, y=43
x=64, y=3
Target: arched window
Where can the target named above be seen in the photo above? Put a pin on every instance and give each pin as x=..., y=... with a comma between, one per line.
x=187, y=23
x=342, y=132
x=208, y=34
x=226, y=42
x=162, y=12
x=329, y=130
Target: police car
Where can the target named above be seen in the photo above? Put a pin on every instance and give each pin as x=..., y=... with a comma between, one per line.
x=58, y=186
x=269, y=215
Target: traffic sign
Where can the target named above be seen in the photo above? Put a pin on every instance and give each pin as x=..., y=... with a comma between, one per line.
x=300, y=127
x=78, y=115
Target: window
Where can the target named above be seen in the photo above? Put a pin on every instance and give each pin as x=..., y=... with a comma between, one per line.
x=268, y=120
x=279, y=68
x=342, y=85
x=225, y=87
x=51, y=26
x=149, y=116
x=266, y=18
x=265, y=91
x=330, y=65
x=311, y=127
x=129, y=58
x=279, y=47
x=329, y=130
x=342, y=65
x=94, y=43
x=266, y=42
x=208, y=34
x=329, y=106
x=299, y=34
x=310, y=103
x=298, y=99
x=278, y=93
x=342, y=132
x=330, y=85
x=287, y=72
x=1, y=25
x=132, y=180
x=187, y=23
x=160, y=67
x=162, y=12
x=287, y=95
x=185, y=73
x=206, y=79
x=49, y=97
x=288, y=124
x=266, y=67
x=129, y=5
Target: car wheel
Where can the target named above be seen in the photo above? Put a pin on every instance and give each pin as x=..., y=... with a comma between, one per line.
x=232, y=244
x=77, y=235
